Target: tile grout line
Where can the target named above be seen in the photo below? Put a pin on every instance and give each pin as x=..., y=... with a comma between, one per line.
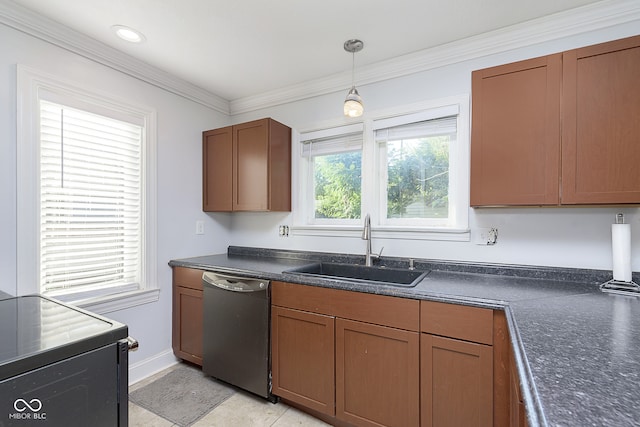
x=278, y=419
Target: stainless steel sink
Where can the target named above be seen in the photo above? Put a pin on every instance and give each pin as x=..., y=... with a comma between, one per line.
x=361, y=273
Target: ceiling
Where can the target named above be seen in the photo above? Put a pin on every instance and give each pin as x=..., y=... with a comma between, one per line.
x=242, y=48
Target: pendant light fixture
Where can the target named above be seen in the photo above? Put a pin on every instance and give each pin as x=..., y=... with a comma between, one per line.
x=353, y=103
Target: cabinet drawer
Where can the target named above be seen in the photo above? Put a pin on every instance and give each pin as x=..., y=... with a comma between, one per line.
x=457, y=321
x=401, y=313
x=187, y=277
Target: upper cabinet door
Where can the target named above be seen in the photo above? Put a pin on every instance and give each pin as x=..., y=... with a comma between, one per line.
x=601, y=123
x=515, y=136
x=217, y=170
x=251, y=154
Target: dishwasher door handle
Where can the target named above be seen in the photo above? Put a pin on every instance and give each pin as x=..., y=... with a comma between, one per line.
x=234, y=283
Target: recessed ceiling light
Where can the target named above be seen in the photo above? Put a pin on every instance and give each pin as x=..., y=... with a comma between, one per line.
x=128, y=34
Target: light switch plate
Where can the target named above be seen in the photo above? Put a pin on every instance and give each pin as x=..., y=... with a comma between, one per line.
x=199, y=227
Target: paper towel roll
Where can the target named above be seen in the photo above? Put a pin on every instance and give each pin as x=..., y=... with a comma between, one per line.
x=621, y=244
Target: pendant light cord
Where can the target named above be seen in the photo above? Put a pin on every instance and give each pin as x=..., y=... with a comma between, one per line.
x=353, y=69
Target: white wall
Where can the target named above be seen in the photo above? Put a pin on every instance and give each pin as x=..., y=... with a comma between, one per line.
x=179, y=148
x=567, y=237
x=572, y=237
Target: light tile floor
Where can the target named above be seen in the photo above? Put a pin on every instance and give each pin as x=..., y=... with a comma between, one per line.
x=241, y=409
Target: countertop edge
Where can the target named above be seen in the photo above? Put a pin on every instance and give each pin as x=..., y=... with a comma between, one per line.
x=533, y=405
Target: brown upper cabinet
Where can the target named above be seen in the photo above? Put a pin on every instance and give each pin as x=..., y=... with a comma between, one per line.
x=247, y=167
x=515, y=133
x=601, y=123
x=558, y=130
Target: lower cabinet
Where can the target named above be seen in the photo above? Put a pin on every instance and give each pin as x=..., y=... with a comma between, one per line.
x=187, y=314
x=368, y=343
x=464, y=366
x=377, y=381
x=356, y=359
x=457, y=382
x=302, y=358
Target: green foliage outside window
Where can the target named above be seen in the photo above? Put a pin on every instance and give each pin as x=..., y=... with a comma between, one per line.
x=337, y=185
x=418, y=178
x=417, y=186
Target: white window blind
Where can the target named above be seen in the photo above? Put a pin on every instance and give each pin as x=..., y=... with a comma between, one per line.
x=90, y=201
x=341, y=139
x=332, y=145
x=446, y=126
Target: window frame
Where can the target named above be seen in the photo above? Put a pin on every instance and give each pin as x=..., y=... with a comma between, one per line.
x=32, y=85
x=307, y=215
x=372, y=181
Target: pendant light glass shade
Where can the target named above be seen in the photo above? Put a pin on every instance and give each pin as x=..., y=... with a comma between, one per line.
x=353, y=104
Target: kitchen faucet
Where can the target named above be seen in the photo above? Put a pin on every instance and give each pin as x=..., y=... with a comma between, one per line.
x=366, y=235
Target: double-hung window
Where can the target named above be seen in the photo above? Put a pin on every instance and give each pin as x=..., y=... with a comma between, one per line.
x=418, y=168
x=408, y=169
x=332, y=175
x=90, y=201
x=86, y=230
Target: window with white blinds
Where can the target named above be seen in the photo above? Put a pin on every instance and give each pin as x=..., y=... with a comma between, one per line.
x=407, y=167
x=333, y=164
x=415, y=161
x=91, y=184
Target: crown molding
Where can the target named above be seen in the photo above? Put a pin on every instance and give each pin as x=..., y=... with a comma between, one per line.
x=592, y=17
x=29, y=22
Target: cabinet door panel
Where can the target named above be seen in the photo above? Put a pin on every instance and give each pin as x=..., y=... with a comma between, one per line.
x=601, y=106
x=251, y=156
x=187, y=324
x=457, y=384
x=302, y=348
x=515, y=133
x=217, y=170
x=377, y=375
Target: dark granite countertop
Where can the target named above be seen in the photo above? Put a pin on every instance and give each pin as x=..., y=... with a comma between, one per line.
x=577, y=349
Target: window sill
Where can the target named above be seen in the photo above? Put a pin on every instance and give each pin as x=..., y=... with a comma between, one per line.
x=115, y=302
x=385, y=232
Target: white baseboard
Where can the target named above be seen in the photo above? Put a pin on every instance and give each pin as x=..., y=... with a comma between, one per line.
x=147, y=367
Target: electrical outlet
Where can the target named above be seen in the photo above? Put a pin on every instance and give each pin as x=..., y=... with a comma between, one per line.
x=283, y=231
x=486, y=236
x=199, y=227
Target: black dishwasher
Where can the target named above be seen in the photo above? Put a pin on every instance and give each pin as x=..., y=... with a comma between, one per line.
x=236, y=345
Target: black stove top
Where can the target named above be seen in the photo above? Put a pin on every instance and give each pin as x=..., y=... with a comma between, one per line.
x=36, y=331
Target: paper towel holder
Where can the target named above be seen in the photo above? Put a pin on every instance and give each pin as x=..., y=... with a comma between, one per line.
x=621, y=288
x=617, y=286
